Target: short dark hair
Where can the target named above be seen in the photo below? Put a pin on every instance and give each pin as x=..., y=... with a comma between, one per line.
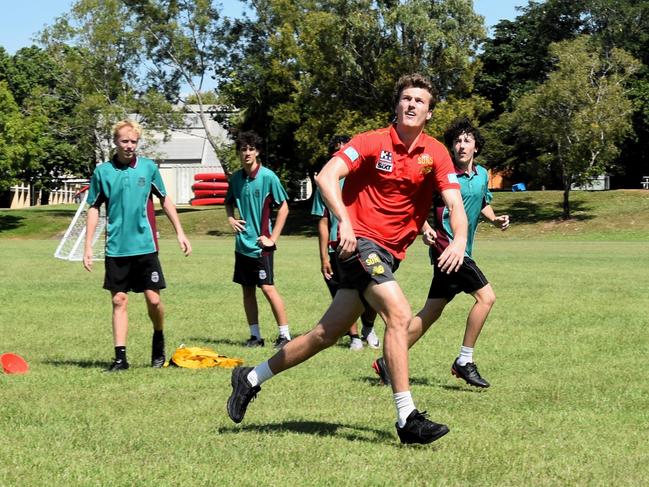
x=461, y=126
x=249, y=139
x=337, y=140
x=414, y=80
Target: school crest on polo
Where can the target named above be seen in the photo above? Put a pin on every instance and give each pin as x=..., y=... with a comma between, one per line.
x=385, y=161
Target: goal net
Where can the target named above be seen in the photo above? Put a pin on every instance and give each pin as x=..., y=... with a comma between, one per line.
x=72, y=244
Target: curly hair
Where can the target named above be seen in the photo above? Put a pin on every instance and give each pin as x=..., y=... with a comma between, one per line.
x=249, y=139
x=337, y=140
x=461, y=126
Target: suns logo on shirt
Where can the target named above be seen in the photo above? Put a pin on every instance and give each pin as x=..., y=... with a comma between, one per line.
x=425, y=162
x=385, y=161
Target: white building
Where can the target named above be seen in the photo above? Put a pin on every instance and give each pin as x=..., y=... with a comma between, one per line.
x=186, y=152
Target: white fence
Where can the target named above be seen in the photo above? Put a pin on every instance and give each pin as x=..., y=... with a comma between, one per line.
x=21, y=195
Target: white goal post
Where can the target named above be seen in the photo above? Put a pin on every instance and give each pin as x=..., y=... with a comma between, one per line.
x=72, y=244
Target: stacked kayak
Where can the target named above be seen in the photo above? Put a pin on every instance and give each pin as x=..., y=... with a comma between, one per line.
x=210, y=188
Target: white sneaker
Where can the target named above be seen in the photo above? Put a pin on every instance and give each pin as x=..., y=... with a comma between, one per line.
x=356, y=344
x=372, y=339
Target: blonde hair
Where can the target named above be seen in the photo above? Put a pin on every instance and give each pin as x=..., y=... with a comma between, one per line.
x=137, y=128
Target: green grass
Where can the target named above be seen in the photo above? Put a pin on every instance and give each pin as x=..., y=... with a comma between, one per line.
x=563, y=349
x=596, y=215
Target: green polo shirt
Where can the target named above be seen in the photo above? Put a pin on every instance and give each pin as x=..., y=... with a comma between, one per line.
x=254, y=196
x=127, y=192
x=475, y=196
x=319, y=208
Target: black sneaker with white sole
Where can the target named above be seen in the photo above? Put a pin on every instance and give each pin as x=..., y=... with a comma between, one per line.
x=419, y=429
x=157, y=362
x=242, y=393
x=117, y=366
x=280, y=341
x=469, y=373
x=254, y=341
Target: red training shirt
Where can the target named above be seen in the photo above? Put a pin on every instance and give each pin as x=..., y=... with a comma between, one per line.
x=388, y=192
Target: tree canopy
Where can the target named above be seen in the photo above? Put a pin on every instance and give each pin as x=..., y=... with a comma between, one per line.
x=299, y=72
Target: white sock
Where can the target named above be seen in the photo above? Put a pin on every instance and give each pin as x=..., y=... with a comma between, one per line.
x=260, y=374
x=254, y=330
x=283, y=330
x=466, y=356
x=405, y=405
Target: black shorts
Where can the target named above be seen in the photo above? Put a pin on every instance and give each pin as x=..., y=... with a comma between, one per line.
x=334, y=283
x=469, y=278
x=134, y=273
x=253, y=271
x=370, y=263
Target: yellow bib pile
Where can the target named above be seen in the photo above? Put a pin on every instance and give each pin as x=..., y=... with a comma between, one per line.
x=199, y=358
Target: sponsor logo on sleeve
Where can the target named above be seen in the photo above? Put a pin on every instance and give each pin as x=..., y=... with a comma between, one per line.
x=351, y=153
x=385, y=161
x=452, y=178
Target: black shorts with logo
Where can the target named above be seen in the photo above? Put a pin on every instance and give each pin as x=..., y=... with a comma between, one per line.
x=134, y=273
x=469, y=278
x=253, y=271
x=370, y=263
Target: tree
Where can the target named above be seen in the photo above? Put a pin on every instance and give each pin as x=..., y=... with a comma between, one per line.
x=181, y=40
x=308, y=69
x=35, y=150
x=516, y=59
x=581, y=113
x=11, y=130
x=97, y=50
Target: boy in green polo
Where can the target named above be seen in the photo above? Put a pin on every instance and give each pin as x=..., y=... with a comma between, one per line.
x=254, y=190
x=465, y=142
x=126, y=184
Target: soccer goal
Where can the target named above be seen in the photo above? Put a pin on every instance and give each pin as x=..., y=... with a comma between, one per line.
x=72, y=244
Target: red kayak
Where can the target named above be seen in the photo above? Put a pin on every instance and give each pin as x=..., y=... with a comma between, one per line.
x=207, y=201
x=210, y=193
x=210, y=176
x=220, y=186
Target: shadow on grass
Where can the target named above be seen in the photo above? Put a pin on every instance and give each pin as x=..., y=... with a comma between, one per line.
x=10, y=222
x=532, y=212
x=373, y=380
x=83, y=364
x=228, y=341
x=316, y=428
x=214, y=341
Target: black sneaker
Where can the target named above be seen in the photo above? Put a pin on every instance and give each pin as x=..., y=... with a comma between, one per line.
x=381, y=369
x=280, y=342
x=158, y=362
x=419, y=429
x=254, y=341
x=117, y=366
x=242, y=393
x=469, y=373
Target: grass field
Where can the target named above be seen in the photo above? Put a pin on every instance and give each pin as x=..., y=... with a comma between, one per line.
x=564, y=350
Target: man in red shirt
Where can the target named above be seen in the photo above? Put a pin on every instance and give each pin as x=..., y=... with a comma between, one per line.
x=390, y=177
